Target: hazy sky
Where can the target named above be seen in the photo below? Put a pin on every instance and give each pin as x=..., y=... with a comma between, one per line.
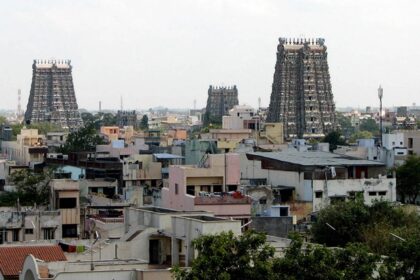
x=167, y=53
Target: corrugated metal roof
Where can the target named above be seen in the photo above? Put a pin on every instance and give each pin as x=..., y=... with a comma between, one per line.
x=13, y=257
x=315, y=158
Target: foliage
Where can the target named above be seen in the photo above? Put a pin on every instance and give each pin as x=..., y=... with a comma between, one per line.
x=372, y=225
x=16, y=129
x=335, y=139
x=369, y=125
x=144, y=122
x=209, y=120
x=226, y=256
x=84, y=139
x=31, y=188
x=318, y=262
x=45, y=127
x=345, y=124
x=3, y=120
x=362, y=134
x=408, y=179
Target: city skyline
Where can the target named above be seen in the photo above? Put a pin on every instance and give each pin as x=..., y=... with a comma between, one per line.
x=164, y=54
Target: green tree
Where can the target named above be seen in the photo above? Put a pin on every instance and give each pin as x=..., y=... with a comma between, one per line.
x=144, y=122
x=31, y=187
x=307, y=261
x=84, y=139
x=362, y=134
x=369, y=125
x=3, y=120
x=408, y=179
x=335, y=139
x=226, y=256
x=345, y=124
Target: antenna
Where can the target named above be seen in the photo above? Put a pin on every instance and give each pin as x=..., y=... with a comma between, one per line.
x=195, y=104
x=259, y=102
x=100, y=106
x=121, y=103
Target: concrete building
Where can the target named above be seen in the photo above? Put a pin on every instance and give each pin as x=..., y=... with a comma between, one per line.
x=28, y=224
x=55, y=140
x=65, y=197
x=301, y=95
x=219, y=101
x=412, y=140
x=319, y=178
x=241, y=117
x=212, y=186
x=29, y=148
x=110, y=132
x=52, y=97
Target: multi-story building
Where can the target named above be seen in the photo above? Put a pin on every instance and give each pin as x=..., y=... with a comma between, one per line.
x=52, y=97
x=29, y=148
x=65, y=195
x=219, y=101
x=301, y=96
x=212, y=186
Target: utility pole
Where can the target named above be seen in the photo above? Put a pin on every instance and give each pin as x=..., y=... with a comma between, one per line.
x=380, y=95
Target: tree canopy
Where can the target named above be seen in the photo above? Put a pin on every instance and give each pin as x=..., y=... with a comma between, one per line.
x=362, y=134
x=369, y=125
x=335, y=139
x=31, y=188
x=408, y=179
x=144, y=122
x=84, y=139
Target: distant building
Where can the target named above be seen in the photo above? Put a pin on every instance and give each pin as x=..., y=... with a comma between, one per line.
x=301, y=95
x=52, y=97
x=127, y=118
x=402, y=111
x=220, y=100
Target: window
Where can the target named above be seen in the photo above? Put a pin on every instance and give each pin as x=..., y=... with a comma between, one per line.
x=318, y=194
x=29, y=231
x=217, y=188
x=3, y=236
x=372, y=193
x=176, y=188
x=69, y=231
x=263, y=201
x=48, y=233
x=382, y=193
x=191, y=190
x=232, y=188
x=68, y=203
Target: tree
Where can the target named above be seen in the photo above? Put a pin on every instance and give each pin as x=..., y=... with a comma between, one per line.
x=3, y=120
x=226, y=256
x=369, y=125
x=31, y=187
x=345, y=124
x=306, y=261
x=144, y=123
x=408, y=179
x=84, y=139
x=334, y=138
x=362, y=134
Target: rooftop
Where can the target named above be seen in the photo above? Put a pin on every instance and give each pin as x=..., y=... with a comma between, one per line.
x=13, y=257
x=312, y=158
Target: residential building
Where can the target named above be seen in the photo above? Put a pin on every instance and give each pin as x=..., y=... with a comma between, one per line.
x=301, y=95
x=29, y=148
x=412, y=140
x=127, y=118
x=320, y=178
x=65, y=196
x=212, y=186
x=241, y=117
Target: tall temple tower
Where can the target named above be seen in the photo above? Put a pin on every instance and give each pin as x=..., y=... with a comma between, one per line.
x=52, y=98
x=219, y=101
x=301, y=96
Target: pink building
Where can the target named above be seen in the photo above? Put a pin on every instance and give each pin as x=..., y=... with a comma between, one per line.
x=212, y=187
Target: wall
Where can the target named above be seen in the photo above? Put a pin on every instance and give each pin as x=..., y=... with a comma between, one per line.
x=343, y=187
x=276, y=226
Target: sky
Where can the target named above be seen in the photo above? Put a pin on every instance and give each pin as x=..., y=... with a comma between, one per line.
x=167, y=53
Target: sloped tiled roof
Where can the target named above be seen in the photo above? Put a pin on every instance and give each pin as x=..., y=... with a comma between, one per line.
x=13, y=257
